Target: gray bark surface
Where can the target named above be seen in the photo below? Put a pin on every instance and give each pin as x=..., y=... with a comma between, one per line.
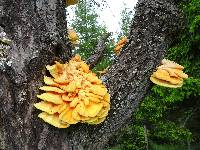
x=37, y=29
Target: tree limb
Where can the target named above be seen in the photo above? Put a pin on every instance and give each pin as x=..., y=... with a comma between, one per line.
x=97, y=56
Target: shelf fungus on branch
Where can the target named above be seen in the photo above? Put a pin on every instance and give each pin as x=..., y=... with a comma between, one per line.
x=119, y=45
x=73, y=37
x=73, y=94
x=169, y=74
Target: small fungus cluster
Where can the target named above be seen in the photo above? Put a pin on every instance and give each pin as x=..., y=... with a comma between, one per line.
x=169, y=74
x=119, y=45
x=73, y=37
x=73, y=94
x=71, y=2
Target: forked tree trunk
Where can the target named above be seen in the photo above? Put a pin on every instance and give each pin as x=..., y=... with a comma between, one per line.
x=37, y=29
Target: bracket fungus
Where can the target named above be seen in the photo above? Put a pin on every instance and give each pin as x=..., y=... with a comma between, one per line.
x=169, y=74
x=73, y=94
x=119, y=45
x=73, y=37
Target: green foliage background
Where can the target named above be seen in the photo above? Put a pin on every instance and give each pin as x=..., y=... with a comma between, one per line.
x=90, y=31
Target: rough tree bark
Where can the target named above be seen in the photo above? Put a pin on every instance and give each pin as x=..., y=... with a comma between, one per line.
x=37, y=29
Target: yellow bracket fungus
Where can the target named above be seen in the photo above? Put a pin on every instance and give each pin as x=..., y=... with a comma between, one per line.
x=119, y=45
x=169, y=74
x=73, y=94
x=73, y=37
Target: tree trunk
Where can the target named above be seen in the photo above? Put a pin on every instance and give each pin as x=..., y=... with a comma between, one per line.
x=37, y=29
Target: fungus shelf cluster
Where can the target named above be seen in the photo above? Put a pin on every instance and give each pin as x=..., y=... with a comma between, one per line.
x=73, y=37
x=169, y=74
x=119, y=45
x=73, y=94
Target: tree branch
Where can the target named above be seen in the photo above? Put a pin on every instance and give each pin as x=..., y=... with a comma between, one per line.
x=97, y=56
